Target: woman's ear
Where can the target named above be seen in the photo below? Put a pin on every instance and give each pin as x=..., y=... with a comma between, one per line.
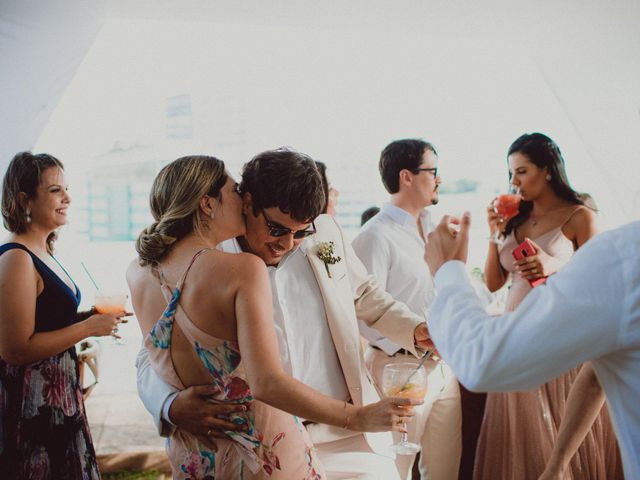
x=207, y=205
x=23, y=200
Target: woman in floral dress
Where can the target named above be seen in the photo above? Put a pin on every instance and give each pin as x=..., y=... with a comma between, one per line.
x=43, y=431
x=206, y=317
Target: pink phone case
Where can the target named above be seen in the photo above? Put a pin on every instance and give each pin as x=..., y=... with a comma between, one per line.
x=526, y=249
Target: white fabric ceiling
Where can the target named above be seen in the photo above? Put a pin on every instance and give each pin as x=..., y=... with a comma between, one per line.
x=587, y=52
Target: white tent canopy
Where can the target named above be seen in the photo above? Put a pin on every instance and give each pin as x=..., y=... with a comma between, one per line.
x=350, y=75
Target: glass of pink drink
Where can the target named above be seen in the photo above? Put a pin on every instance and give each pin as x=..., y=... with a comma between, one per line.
x=111, y=304
x=507, y=206
x=408, y=381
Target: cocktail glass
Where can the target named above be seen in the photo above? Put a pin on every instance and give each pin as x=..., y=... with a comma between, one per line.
x=111, y=304
x=507, y=206
x=407, y=380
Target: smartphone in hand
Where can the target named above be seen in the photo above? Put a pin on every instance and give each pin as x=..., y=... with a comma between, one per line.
x=526, y=249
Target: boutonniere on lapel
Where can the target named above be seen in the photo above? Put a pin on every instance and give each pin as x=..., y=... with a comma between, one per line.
x=326, y=252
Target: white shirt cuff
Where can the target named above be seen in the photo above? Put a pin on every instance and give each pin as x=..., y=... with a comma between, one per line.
x=166, y=406
x=451, y=273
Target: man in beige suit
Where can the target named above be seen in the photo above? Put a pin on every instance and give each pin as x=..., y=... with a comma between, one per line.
x=317, y=300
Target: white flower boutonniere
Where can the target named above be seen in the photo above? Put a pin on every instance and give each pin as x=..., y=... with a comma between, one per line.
x=326, y=252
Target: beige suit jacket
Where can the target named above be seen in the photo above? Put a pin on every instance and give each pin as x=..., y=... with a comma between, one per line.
x=349, y=294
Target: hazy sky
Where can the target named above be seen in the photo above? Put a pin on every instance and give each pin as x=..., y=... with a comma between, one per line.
x=338, y=95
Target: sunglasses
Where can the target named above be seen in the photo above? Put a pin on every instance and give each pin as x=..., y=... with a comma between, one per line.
x=277, y=230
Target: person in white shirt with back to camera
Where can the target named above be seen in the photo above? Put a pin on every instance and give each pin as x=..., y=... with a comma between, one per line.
x=589, y=311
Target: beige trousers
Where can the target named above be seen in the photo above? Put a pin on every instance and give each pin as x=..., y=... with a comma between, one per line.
x=351, y=458
x=437, y=423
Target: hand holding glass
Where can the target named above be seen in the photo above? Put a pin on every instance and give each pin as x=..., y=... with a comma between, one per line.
x=403, y=380
x=506, y=206
x=111, y=304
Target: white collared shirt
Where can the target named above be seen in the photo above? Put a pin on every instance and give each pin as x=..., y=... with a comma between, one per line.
x=589, y=311
x=306, y=346
x=391, y=248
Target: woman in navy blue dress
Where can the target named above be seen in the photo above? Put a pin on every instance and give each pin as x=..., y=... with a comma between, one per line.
x=44, y=432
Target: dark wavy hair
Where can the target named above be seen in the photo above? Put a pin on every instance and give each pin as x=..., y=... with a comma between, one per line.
x=175, y=203
x=543, y=153
x=286, y=179
x=401, y=155
x=23, y=175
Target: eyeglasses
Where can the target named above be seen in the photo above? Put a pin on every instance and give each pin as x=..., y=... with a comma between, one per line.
x=433, y=170
x=277, y=230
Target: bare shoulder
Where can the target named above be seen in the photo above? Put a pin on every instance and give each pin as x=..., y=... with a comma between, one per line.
x=16, y=262
x=248, y=264
x=581, y=219
x=581, y=226
x=136, y=273
x=229, y=266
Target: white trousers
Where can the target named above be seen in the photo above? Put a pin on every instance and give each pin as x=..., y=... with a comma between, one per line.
x=437, y=424
x=352, y=458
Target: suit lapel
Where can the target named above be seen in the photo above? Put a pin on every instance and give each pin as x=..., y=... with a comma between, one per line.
x=343, y=326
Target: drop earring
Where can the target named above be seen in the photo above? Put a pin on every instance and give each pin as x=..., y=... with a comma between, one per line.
x=28, y=215
x=211, y=215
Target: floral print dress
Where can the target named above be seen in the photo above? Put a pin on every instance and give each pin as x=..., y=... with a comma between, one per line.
x=44, y=433
x=275, y=445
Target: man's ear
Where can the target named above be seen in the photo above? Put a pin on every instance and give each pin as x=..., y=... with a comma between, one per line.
x=405, y=177
x=247, y=204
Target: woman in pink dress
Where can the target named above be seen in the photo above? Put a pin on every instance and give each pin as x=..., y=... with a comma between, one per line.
x=520, y=429
x=206, y=317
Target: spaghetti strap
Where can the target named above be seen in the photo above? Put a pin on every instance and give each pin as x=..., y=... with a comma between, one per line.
x=573, y=212
x=193, y=259
x=163, y=280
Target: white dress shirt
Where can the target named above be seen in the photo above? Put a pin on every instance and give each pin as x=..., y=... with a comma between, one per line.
x=392, y=249
x=301, y=323
x=306, y=346
x=589, y=311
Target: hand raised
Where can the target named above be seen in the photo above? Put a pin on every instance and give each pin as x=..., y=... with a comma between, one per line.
x=447, y=243
x=496, y=222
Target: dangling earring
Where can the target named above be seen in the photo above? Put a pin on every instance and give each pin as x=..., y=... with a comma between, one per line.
x=211, y=215
x=548, y=177
x=28, y=214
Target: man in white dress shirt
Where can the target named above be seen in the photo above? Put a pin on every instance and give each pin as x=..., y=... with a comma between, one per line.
x=316, y=307
x=589, y=311
x=391, y=246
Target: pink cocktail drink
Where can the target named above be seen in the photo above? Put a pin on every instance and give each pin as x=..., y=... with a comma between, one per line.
x=507, y=205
